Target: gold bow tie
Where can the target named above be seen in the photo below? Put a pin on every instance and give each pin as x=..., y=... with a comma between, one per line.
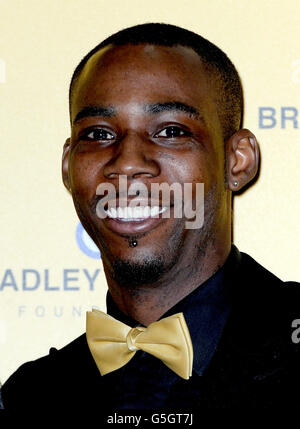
x=113, y=344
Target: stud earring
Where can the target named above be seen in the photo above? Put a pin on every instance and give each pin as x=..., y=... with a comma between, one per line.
x=235, y=183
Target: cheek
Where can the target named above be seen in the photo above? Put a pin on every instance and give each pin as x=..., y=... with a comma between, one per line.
x=198, y=167
x=192, y=167
x=84, y=172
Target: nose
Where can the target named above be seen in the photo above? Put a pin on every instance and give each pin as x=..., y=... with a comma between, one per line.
x=132, y=157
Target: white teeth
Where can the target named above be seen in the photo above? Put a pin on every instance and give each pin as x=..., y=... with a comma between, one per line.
x=147, y=211
x=154, y=211
x=134, y=213
x=120, y=212
x=114, y=213
x=138, y=212
x=125, y=212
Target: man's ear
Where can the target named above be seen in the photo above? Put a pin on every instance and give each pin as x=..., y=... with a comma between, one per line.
x=242, y=152
x=65, y=164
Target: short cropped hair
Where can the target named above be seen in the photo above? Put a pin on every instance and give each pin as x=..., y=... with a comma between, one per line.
x=225, y=76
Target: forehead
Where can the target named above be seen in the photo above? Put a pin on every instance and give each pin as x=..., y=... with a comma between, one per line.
x=118, y=75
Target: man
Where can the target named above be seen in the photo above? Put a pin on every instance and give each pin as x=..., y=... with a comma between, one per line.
x=156, y=104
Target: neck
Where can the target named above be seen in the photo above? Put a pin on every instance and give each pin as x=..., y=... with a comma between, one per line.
x=147, y=303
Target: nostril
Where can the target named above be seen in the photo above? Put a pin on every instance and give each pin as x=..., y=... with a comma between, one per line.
x=143, y=174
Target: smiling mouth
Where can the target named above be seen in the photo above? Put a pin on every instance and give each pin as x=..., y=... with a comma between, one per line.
x=134, y=214
x=127, y=220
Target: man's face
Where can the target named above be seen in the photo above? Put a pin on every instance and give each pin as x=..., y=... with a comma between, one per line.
x=149, y=113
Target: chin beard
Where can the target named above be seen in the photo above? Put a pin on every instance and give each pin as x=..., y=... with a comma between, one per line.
x=134, y=274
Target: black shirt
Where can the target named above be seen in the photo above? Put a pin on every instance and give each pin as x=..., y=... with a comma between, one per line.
x=145, y=382
x=244, y=357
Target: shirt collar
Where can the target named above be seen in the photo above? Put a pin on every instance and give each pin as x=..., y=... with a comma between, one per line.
x=206, y=310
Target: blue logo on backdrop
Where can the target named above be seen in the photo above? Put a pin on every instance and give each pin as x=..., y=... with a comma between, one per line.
x=86, y=244
x=285, y=117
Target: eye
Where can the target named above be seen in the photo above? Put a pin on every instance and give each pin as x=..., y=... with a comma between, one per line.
x=172, y=131
x=98, y=134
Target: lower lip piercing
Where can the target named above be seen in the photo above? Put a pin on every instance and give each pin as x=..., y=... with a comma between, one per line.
x=133, y=243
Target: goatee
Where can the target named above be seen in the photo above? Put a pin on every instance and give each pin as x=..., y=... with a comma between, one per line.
x=133, y=274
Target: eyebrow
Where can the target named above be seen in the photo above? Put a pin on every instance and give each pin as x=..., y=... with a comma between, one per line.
x=174, y=106
x=171, y=106
x=95, y=111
